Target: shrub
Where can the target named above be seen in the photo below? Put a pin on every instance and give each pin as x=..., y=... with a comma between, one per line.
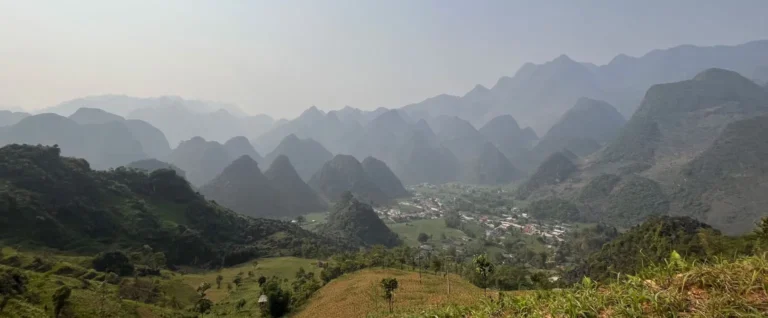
x=113, y=262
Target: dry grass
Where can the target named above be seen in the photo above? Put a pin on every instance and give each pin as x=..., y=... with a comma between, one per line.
x=724, y=289
x=283, y=267
x=359, y=294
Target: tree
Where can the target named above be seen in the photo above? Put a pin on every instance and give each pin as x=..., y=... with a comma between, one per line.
x=262, y=280
x=389, y=285
x=423, y=238
x=484, y=268
x=203, y=305
x=300, y=219
x=219, y=278
x=238, y=280
x=60, y=299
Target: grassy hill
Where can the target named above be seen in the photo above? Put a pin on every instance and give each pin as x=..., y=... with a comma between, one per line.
x=409, y=231
x=59, y=202
x=359, y=294
x=679, y=289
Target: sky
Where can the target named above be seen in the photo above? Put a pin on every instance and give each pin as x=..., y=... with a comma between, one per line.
x=281, y=57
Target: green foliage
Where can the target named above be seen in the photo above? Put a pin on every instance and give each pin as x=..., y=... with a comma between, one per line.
x=113, y=262
x=60, y=202
x=652, y=242
x=304, y=285
x=354, y=221
x=423, y=237
x=553, y=170
x=484, y=268
x=554, y=209
x=278, y=300
x=60, y=299
x=389, y=285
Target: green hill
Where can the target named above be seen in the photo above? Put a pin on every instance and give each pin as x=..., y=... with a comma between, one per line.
x=356, y=222
x=244, y=189
x=59, y=202
x=555, y=169
x=683, y=118
x=726, y=184
x=651, y=243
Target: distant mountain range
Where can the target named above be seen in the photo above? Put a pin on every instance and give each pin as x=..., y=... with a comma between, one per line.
x=104, y=145
x=693, y=148
x=538, y=94
x=180, y=119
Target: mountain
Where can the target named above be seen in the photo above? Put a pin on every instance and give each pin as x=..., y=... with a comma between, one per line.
x=725, y=185
x=491, y=167
x=105, y=145
x=179, y=119
x=459, y=136
x=554, y=170
x=381, y=137
x=677, y=121
x=420, y=159
x=344, y=173
x=86, y=115
x=59, y=202
x=582, y=129
x=150, y=165
x=622, y=201
x=313, y=123
x=529, y=136
x=504, y=132
x=240, y=146
x=152, y=140
x=294, y=194
x=202, y=160
x=111, y=145
x=123, y=105
x=306, y=155
x=355, y=221
x=8, y=118
x=538, y=94
x=244, y=189
x=384, y=178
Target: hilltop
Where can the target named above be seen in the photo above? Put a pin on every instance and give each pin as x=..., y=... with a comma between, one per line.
x=306, y=155
x=344, y=173
x=384, y=178
x=354, y=221
x=244, y=189
x=491, y=167
x=150, y=165
x=240, y=146
x=582, y=129
x=202, y=160
x=555, y=169
x=682, y=119
x=295, y=196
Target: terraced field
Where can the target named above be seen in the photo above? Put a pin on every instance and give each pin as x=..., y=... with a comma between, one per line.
x=360, y=295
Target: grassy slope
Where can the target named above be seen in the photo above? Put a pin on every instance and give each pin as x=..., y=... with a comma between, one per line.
x=359, y=294
x=681, y=289
x=85, y=299
x=283, y=267
x=409, y=232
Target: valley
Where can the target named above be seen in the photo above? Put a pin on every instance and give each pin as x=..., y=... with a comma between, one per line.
x=613, y=186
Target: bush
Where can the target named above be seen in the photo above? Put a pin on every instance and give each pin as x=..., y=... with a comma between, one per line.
x=113, y=262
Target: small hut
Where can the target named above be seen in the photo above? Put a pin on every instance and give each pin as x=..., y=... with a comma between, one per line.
x=263, y=301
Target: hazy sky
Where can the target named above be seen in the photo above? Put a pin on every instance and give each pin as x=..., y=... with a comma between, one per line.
x=280, y=57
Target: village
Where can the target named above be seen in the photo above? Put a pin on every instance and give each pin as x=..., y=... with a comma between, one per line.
x=497, y=222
